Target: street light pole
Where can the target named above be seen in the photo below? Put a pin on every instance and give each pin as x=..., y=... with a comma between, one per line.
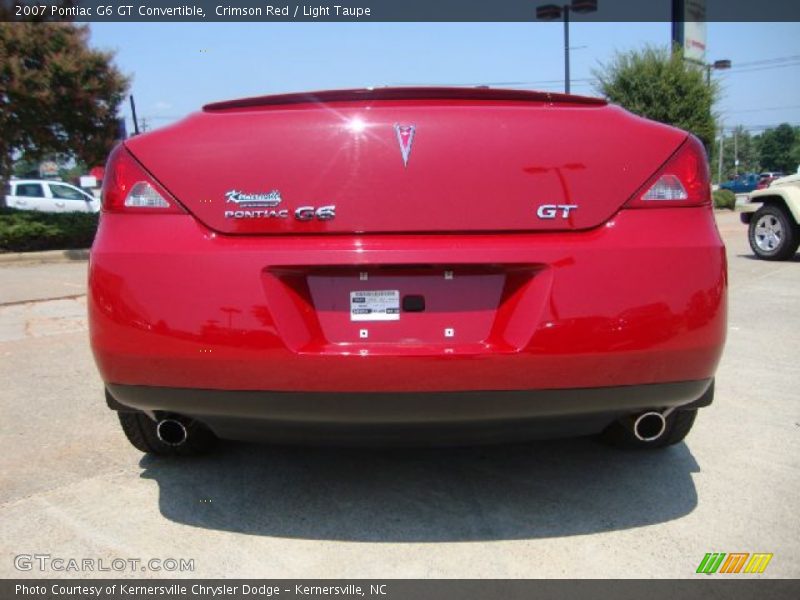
x=720, y=65
x=550, y=12
x=566, y=49
x=717, y=65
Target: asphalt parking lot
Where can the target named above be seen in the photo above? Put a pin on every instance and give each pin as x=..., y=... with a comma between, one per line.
x=72, y=487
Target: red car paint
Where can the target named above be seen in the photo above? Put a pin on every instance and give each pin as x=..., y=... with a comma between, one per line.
x=618, y=291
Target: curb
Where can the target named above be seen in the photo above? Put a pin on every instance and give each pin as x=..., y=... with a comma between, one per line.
x=50, y=256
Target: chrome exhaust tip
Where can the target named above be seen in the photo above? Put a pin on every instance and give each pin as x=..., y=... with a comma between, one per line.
x=172, y=432
x=649, y=426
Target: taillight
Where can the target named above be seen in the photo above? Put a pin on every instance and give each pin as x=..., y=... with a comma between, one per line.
x=682, y=181
x=127, y=187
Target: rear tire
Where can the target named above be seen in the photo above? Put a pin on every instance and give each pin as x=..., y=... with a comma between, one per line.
x=678, y=425
x=773, y=234
x=141, y=433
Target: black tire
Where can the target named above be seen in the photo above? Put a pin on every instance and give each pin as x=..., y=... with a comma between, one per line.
x=773, y=234
x=679, y=423
x=141, y=433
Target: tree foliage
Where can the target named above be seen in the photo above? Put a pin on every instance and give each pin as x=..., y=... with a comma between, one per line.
x=746, y=149
x=57, y=95
x=724, y=199
x=659, y=84
x=778, y=148
x=739, y=145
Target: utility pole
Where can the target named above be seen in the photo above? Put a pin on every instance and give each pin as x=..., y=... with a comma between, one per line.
x=677, y=24
x=566, y=50
x=135, y=121
x=719, y=65
x=549, y=12
x=735, y=153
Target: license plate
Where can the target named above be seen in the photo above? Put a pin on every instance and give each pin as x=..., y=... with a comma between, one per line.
x=375, y=305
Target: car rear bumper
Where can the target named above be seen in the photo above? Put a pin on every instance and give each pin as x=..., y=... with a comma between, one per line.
x=640, y=300
x=386, y=417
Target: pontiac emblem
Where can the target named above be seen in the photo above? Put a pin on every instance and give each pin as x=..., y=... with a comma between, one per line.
x=405, y=137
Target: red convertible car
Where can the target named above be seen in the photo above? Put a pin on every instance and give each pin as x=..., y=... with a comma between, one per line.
x=407, y=265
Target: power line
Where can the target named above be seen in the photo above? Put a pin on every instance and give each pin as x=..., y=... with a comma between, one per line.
x=765, y=64
x=765, y=61
x=758, y=127
x=744, y=110
x=736, y=71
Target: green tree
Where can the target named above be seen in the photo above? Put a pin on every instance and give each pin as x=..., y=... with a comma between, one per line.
x=57, y=95
x=741, y=146
x=660, y=85
x=777, y=149
x=26, y=168
x=73, y=171
x=795, y=155
x=738, y=145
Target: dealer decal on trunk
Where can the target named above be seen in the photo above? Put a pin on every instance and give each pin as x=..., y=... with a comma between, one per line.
x=264, y=205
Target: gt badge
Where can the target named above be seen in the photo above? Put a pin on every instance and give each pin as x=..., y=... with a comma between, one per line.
x=552, y=211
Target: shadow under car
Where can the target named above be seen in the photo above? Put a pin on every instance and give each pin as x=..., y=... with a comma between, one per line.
x=504, y=492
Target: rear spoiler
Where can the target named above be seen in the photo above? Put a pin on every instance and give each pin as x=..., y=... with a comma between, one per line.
x=404, y=93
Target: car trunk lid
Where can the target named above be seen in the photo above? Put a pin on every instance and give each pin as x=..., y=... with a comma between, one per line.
x=429, y=160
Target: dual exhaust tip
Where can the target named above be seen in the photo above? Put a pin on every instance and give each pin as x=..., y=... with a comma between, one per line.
x=650, y=426
x=171, y=432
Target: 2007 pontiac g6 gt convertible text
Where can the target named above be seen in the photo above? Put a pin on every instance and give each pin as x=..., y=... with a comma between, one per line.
x=407, y=265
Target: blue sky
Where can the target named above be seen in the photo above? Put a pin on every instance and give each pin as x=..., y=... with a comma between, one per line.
x=177, y=67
